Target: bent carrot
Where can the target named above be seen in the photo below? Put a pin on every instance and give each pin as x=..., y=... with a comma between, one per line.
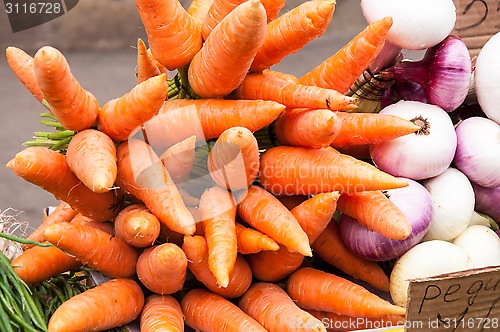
x=162, y=268
x=173, y=35
x=121, y=117
x=317, y=290
x=251, y=241
x=342, y=69
x=73, y=106
x=202, y=310
x=161, y=313
x=271, y=306
x=226, y=55
x=340, y=323
x=288, y=170
x=49, y=170
x=111, y=304
x=21, y=64
x=95, y=248
x=146, y=68
x=137, y=226
x=198, y=9
x=179, y=159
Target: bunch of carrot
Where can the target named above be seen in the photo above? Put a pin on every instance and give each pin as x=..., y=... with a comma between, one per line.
x=171, y=196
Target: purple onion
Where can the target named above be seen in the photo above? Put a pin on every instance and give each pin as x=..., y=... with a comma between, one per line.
x=403, y=90
x=415, y=203
x=487, y=201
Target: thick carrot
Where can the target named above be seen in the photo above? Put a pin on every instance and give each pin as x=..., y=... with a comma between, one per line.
x=105, y=226
x=226, y=55
x=340, y=323
x=120, y=118
x=251, y=241
x=313, y=128
x=162, y=268
x=179, y=159
x=141, y=172
x=21, y=64
x=291, y=31
x=240, y=277
x=198, y=9
x=330, y=248
x=284, y=76
x=271, y=306
x=202, y=311
x=273, y=8
x=233, y=161
x=317, y=290
x=273, y=266
x=91, y=156
x=173, y=35
x=137, y=226
x=371, y=128
x=301, y=171
x=218, y=213
x=73, y=106
x=207, y=118
x=342, y=69
x=216, y=12
x=266, y=213
x=111, y=304
x=49, y=170
x=146, y=68
x=377, y=212
x=95, y=248
x=161, y=313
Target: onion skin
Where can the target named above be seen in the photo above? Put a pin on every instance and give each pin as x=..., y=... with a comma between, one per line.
x=487, y=78
x=487, y=201
x=415, y=203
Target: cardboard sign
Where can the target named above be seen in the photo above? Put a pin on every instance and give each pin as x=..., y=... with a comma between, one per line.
x=462, y=301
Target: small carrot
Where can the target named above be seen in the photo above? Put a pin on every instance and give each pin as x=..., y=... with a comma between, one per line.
x=216, y=12
x=49, y=170
x=273, y=8
x=226, y=55
x=251, y=241
x=266, y=213
x=146, y=68
x=377, y=212
x=173, y=35
x=198, y=9
x=291, y=31
x=179, y=159
x=284, y=76
x=120, y=118
x=233, y=161
x=240, y=278
x=95, y=248
x=340, y=323
x=257, y=86
x=161, y=68
x=313, y=128
x=342, y=69
x=111, y=304
x=317, y=290
x=73, y=106
x=137, y=226
x=202, y=311
x=21, y=64
x=162, y=268
x=141, y=172
x=161, y=313
x=105, y=226
x=301, y=171
x=271, y=306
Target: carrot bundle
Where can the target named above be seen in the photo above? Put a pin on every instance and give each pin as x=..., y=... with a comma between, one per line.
x=22, y=65
x=161, y=313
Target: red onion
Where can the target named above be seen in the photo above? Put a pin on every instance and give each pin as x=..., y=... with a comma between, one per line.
x=414, y=201
x=403, y=90
x=487, y=201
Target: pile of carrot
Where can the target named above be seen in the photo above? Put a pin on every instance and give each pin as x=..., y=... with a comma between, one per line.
x=172, y=196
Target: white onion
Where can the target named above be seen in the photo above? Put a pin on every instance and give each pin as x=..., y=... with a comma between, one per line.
x=481, y=244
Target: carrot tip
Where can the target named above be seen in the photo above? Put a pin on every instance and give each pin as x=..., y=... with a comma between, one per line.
x=305, y=250
x=10, y=164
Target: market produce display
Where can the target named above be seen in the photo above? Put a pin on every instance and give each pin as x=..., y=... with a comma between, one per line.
x=221, y=195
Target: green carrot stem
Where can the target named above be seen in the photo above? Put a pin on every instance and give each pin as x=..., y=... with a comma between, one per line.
x=5, y=324
x=24, y=241
x=48, y=115
x=62, y=144
x=50, y=123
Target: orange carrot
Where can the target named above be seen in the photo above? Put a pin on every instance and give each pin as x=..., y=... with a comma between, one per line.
x=161, y=313
x=317, y=290
x=330, y=248
x=371, y=128
x=357, y=151
x=226, y=55
x=342, y=69
x=314, y=128
x=111, y=304
x=216, y=12
x=73, y=106
x=141, y=172
x=273, y=266
x=240, y=277
x=120, y=118
x=162, y=268
x=233, y=161
x=202, y=311
x=173, y=35
x=105, y=226
x=340, y=323
x=266, y=213
x=22, y=66
x=292, y=95
x=95, y=248
x=49, y=170
x=251, y=241
x=284, y=76
x=271, y=306
x=198, y=9
x=292, y=201
x=161, y=68
x=273, y=8
x=207, y=118
x=377, y=212
x=146, y=68
x=179, y=159
x=137, y=226
x=301, y=171
x=291, y=31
